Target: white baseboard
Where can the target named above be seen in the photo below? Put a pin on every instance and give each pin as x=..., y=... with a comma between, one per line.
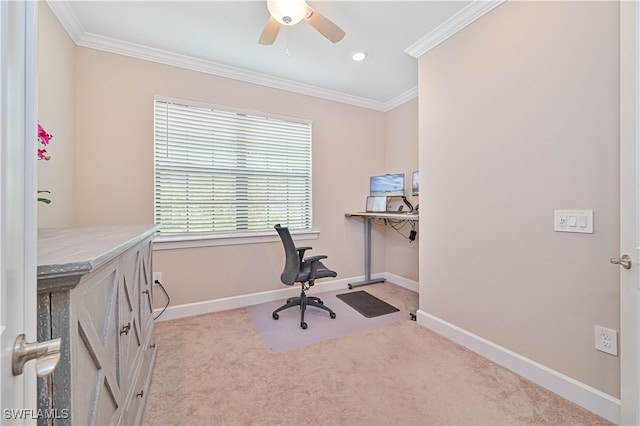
x=577, y=392
x=585, y=396
x=217, y=305
x=402, y=281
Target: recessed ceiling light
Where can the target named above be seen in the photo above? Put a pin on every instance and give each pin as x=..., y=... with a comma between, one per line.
x=358, y=56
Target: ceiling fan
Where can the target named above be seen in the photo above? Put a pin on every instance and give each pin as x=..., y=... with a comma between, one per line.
x=290, y=12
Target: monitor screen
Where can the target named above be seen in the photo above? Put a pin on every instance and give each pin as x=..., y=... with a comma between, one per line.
x=391, y=185
x=376, y=204
x=415, y=183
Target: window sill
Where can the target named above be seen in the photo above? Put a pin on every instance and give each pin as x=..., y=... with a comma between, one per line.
x=211, y=240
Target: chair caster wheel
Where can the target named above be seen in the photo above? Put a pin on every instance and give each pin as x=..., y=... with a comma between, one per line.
x=350, y=286
x=303, y=325
x=332, y=315
x=275, y=316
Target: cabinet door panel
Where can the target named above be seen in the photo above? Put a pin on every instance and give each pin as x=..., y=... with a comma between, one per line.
x=95, y=389
x=129, y=300
x=146, y=287
x=140, y=389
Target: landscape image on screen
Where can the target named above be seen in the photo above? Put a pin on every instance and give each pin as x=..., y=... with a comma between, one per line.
x=389, y=185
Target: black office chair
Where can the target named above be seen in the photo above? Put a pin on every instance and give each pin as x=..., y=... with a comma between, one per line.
x=298, y=269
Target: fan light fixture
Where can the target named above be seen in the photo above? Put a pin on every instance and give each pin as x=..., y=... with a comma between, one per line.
x=290, y=12
x=287, y=12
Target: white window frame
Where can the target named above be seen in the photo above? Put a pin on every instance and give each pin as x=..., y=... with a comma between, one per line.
x=202, y=239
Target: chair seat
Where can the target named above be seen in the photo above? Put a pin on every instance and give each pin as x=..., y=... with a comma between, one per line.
x=321, y=272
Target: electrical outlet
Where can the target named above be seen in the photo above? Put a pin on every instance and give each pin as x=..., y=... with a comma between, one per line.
x=606, y=340
x=157, y=276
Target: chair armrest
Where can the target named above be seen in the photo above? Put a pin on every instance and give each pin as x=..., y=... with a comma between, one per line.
x=316, y=258
x=313, y=265
x=301, y=251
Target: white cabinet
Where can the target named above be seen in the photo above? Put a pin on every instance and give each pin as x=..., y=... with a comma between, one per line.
x=95, y=291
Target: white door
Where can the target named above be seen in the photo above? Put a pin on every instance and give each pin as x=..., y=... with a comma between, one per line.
x=629, y=213
x=18, y=122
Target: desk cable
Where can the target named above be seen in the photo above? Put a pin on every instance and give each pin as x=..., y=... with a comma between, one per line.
x=397, y=226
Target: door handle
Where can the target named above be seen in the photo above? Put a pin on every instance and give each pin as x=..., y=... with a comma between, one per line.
x=46, y=354
x=624, y=261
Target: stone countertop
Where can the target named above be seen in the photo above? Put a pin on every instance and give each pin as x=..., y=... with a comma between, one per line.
x=77, y=251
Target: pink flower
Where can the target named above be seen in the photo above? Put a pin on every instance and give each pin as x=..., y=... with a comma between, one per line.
x=42, y=154
x=43, y=136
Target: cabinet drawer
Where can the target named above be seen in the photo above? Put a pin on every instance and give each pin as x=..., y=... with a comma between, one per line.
x=140, y=390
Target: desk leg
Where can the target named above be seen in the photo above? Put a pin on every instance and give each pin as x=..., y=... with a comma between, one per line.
x=367, y=258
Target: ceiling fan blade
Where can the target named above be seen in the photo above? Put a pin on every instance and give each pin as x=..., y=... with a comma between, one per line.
x=270, y=31
x=324, y=26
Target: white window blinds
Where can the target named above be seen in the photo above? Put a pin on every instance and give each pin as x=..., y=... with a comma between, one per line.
x=223, y=170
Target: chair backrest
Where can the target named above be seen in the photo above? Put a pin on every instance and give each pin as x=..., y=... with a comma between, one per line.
x=292, y=261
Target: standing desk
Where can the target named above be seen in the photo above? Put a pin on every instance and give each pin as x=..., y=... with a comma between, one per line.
x=367, y=217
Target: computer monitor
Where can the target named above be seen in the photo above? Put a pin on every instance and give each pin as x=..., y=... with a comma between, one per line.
x=415, y=183
x=390, y=185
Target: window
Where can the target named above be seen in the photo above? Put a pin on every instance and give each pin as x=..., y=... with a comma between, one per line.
x=221, y=170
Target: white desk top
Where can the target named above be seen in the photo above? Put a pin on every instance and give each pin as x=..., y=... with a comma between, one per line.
x=397, y=216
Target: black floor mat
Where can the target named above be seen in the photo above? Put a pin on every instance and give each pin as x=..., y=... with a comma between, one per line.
x=367, y=304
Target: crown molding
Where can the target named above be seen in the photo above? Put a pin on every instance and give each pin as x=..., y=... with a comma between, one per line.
x=67, y=18
x=138, y=51
x=402, y=98
x=69, y=21
x=471, y=12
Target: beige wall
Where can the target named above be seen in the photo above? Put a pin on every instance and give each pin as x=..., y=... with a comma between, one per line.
x=401, y=156
x=112, y=180
x=114, y=185
x=104, y=102
x=56, y=105
x=518, y=117
x=511, y=127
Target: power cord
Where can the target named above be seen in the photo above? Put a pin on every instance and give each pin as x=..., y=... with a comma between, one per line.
x=413, y=233
x=158, y=283
x=398, y=225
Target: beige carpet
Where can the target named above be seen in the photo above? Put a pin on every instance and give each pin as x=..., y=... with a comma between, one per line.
x=214, y=370
x=286, y=334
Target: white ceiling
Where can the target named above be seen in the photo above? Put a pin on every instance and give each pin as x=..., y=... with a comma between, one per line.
x=221, y=37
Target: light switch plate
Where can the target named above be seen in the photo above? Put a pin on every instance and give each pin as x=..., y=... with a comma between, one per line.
x=580, y=221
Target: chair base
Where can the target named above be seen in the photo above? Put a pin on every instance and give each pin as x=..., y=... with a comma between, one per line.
x=303, y=301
